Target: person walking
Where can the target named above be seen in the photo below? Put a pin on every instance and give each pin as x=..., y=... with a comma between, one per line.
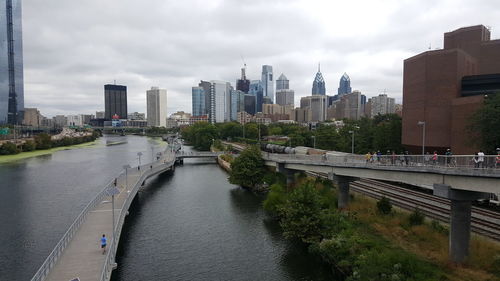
x=434, y=158
x=448, y=156
x=393, y=158
x=497, y=159
x=480, y=159
x=368, y=156
x=104, y=241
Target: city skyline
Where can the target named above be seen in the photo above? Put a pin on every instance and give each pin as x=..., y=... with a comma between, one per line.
x=96, y=48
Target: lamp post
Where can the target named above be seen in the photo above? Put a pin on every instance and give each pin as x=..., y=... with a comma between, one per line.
x=422, y=123
x=314, y=141
x=139, y=154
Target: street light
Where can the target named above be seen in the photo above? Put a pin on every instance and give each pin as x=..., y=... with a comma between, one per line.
x=139, y=154
x=352, y=139
x=314, y=141
x=422, y=123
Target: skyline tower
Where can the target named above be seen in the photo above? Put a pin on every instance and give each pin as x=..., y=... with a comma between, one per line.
x=115, y=101
x=282, y=83
x=318, y=87
x=344, y=85
x=198, y=101
x=156, y=100
x=243, y=84
x=11, y=63
x=268, y=82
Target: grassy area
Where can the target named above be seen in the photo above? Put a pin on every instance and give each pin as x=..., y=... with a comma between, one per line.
x=429, y=241
x=24, y=155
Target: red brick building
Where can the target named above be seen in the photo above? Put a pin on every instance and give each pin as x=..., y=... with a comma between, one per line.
x=433, y=89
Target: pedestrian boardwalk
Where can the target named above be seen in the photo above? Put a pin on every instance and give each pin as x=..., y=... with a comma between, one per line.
x=80, y=255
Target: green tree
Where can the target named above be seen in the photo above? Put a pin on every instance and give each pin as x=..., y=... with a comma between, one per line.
x=29, y=145
x=251, y=131
x=387, y=132
x=201, y=135
x=276, y=198
x=43, y=141
x=9, y=148
x=485, y=124
x=301, y=214
x=231, y=130
x=248, y=169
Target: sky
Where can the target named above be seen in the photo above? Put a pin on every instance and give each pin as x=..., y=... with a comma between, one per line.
x=73, y=48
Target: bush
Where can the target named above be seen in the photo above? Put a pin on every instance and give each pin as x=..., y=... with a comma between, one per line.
x=29, y=146
x=416, y=218
x=9, y=148
x=384, y=206
x=43, y=141
x=275, y=199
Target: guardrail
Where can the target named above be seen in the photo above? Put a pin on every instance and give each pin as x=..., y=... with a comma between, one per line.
x=51, y=260
x=109, y=263
x=491, y=163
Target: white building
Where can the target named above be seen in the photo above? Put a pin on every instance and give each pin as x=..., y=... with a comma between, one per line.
x=74, y=120
x=382, y=104
x=220, y=110
x=157, y=107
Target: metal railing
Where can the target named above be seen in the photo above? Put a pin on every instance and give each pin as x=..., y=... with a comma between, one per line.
x=51, y=260
x=459, y=162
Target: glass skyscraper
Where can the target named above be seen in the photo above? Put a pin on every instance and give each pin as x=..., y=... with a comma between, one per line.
x=344, y=85
x=198, y=101
x=11, y=63
x=282, y=83
x=318, y=87
x=268, y=82
x=115, y=101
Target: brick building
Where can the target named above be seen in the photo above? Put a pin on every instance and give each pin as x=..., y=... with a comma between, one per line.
x=434, y=92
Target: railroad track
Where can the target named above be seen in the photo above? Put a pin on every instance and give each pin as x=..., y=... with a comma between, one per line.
x=483, y=221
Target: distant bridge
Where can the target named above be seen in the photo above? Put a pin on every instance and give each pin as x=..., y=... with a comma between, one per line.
x=197, y=154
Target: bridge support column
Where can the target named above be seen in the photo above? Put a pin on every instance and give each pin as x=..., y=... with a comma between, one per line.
x=290, y=174
x=460, y=218
x=343, y=186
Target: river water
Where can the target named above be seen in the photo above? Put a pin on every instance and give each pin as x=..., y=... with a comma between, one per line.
x=190, y=225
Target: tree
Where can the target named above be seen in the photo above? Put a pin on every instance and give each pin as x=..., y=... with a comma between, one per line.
x=29, y=145
x=43, y=141
x=8, y=148
x=251, y=131
x=231, y=130
x=485, y=124
x=248, y=169
x=301, y=214
x=200, y=135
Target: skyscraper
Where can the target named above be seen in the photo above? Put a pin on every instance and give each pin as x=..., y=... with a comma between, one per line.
x=268, y=82
x=198, y=101
x=243, y=84
x=157, y=107
x=285, y=97
x=115, y=101
x=208, y=100
x=237, y=103
x=282, y=83
x=318, y=87
x=11, y=63
x=221, y=101
x=317, y=104
x=344, y=85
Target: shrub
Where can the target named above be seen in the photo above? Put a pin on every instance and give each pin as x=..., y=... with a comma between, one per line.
x=275, y=199
x=416, y=218
x=29, y=146
x=9, y=148
x=439, y=227
x=43, y=141
x=384, y=206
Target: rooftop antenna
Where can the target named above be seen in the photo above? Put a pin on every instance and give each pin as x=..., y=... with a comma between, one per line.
x=319, y=66
x=114, y=81
x=243, y=70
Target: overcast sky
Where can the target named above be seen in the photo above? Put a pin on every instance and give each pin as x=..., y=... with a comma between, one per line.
x=73, y=48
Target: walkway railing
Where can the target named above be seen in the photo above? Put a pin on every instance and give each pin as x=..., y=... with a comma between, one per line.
x=51, y=260
x=491, y=163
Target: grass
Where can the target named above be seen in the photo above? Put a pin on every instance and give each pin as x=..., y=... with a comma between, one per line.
x=29, y=154
x=427, y=241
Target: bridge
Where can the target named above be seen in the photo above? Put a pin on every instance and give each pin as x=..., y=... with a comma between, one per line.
x=196, y=154
x=77, y=254
x=452, y=178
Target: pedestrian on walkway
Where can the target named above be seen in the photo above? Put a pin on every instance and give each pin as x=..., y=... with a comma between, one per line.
x=434, y=158
x=103, y=243
x=497, y=159
x=480, y=159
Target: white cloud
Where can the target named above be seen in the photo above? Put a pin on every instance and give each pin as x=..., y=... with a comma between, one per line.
x=73, y=48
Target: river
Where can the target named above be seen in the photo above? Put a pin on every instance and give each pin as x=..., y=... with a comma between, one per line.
x=192, y=225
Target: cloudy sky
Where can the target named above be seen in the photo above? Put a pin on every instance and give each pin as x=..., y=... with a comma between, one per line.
x=73, y=48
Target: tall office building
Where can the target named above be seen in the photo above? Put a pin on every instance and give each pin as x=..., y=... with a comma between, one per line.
x=318, y=87
x=257, y=90
x=282, y=83
x=198, y=101
x=11, y=63
x=317, y=105
x=250, y=101
x=221, y=101
x=243, y=84
x=344, y=85
x=237, y=103
x=208, y=98
x=157, y=107
x=268, y=82
x=382, y=104
x=285, y=97
x=115, y=101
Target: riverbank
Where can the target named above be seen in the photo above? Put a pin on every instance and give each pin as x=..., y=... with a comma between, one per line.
x=29, y=154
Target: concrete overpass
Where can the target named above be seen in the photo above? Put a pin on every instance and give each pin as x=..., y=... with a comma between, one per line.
x=460, y=184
